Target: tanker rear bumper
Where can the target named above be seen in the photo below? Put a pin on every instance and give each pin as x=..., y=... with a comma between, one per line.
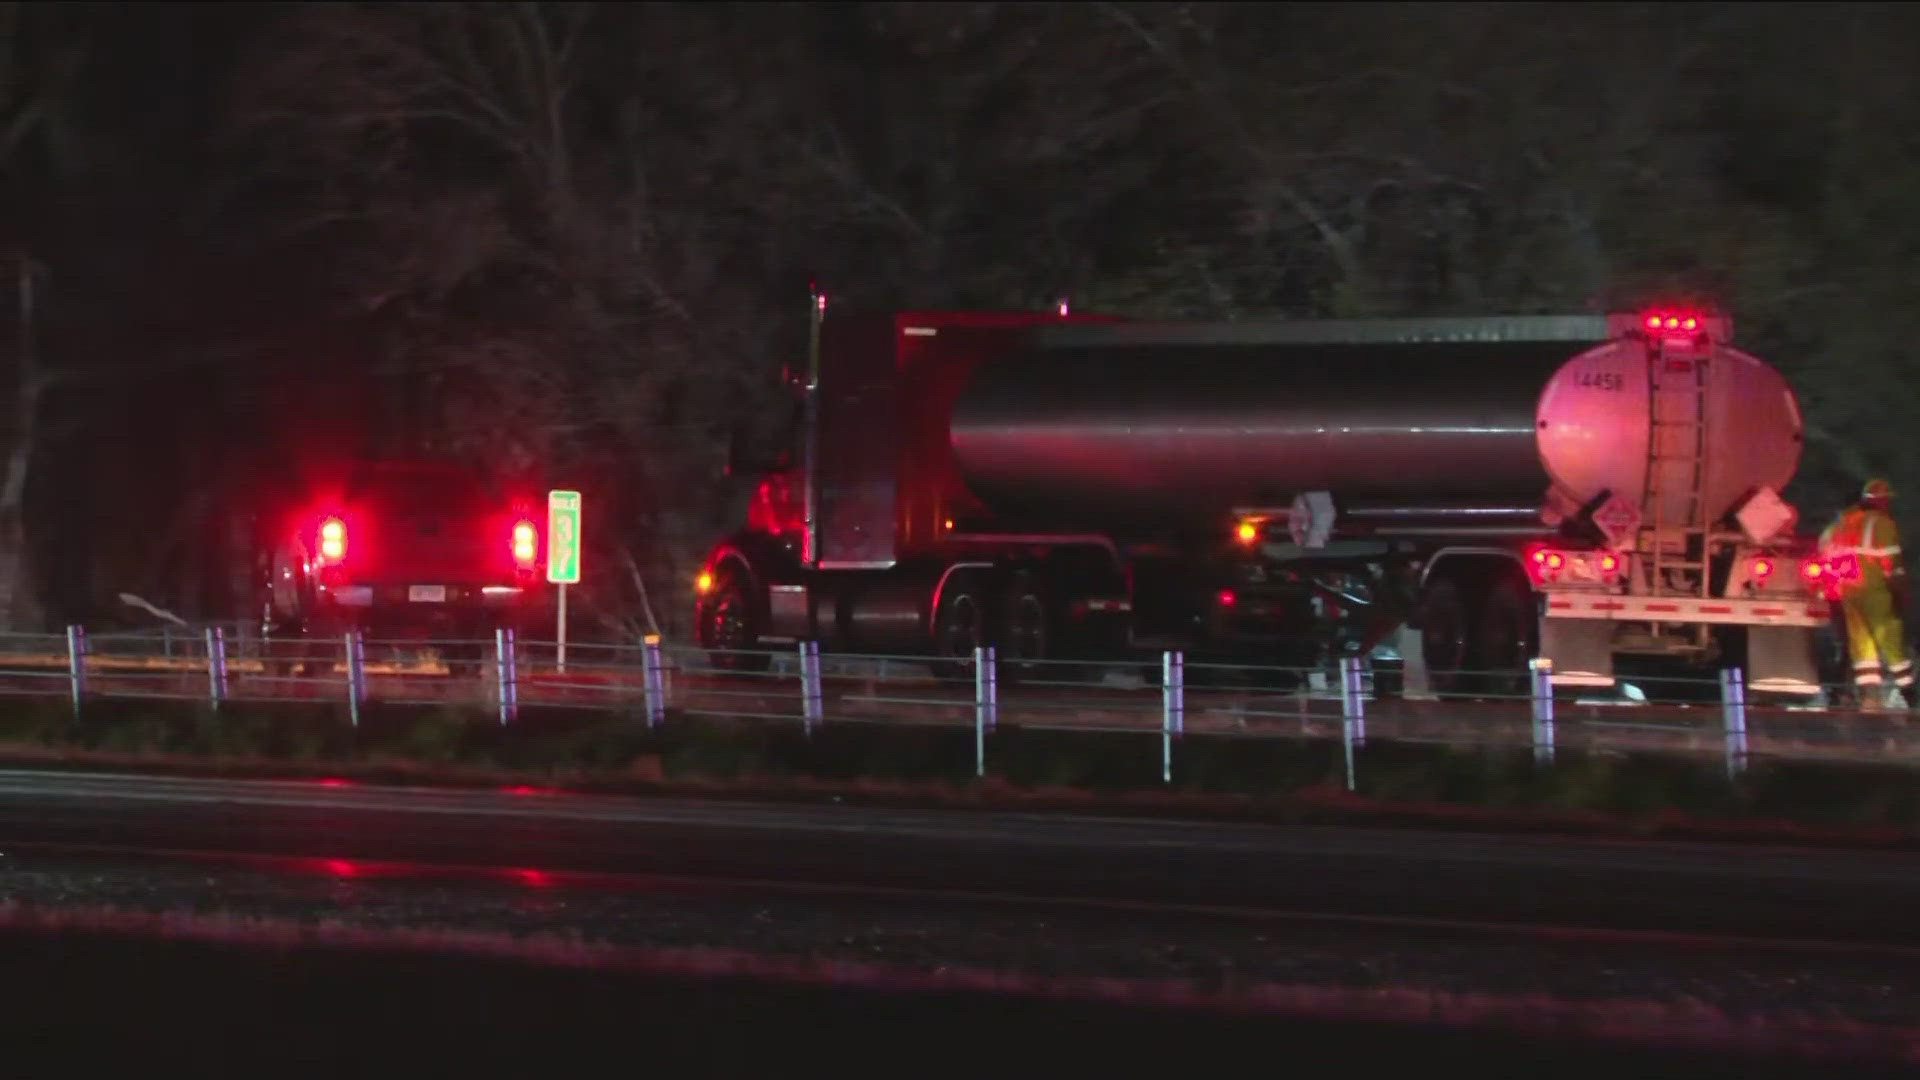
x=1797, y=611
x=1577, y=636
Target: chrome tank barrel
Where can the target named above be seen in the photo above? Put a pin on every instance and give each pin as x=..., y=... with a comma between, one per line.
x=1175, y=431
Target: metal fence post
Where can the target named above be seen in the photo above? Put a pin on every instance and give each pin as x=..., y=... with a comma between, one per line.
x=356, y=676
x=811, y=709
x=1542, y=671
x=654, y=686
x=1353, y=712
x=986, y=704
x=1173, y=707
x=506, y=674
x=1353, y=693
x=1733, y=707
x=77, y=665
x=216, y=666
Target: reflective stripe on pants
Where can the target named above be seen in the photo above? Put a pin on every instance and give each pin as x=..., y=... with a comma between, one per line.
x=1875, y=635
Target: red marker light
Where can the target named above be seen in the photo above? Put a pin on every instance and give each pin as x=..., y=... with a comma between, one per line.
x=1609, y=562
x=1690, y=324
x=1673, y=322
x=1812, y=570
x=1555, y=560
x=1653, y=322
x=1540, y=558
x=1763, y=568
x=1227, y=598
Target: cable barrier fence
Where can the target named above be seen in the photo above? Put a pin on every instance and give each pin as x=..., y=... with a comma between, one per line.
x=1163, y=698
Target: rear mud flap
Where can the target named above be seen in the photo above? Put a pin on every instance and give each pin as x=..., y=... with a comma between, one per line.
x=1780, y=660
x=1581, y=651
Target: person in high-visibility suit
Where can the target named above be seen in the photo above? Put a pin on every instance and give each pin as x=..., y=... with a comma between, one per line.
x=1862, y=551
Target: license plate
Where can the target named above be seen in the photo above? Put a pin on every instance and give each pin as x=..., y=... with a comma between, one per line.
x=427, y=594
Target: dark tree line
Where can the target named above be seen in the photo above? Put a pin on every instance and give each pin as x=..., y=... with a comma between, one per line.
x=573, y=241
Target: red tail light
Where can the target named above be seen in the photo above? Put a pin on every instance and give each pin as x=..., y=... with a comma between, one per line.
x=525, y=543
x=333, y=540
x=1762, y=569
x=1547, y=564
x=1227, y=598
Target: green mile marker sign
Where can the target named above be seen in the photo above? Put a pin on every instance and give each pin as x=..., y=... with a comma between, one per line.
x=563, y=537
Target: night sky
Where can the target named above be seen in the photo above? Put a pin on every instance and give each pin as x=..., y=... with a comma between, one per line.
x=572, y=243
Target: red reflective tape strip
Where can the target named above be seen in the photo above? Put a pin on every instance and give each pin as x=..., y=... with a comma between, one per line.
x=1563, y=605
x=1609, y=605
x=1663, y=607
x=1771, y=611
x=1715, y=609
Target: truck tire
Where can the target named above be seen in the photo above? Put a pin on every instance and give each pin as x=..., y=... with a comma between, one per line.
x=730, y=625
x=1444, y=638
x=959, y=626
x=1027, y=629
x=1506, y=639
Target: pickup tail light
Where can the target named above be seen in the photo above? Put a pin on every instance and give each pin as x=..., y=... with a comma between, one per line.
x=333, y=540
x=526, y=544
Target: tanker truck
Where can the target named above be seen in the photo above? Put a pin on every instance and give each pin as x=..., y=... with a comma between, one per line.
x=1459, y=496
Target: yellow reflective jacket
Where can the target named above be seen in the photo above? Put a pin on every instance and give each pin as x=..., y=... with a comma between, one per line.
x=1866, y=539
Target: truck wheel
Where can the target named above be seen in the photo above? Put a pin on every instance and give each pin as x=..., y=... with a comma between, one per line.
x=1506, y=640
x=730, y=627
x=1027, y=630
x=959, y=626
x=1443, y=634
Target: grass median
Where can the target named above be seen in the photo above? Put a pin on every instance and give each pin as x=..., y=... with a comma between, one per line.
x=1282, y=779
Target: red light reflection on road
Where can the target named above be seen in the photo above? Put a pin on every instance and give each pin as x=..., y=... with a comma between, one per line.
x=527, y=789
x=538, y=879
x=341, y=867
x=335, y=781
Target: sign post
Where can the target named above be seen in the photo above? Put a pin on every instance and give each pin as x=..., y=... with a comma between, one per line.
x=563, y=558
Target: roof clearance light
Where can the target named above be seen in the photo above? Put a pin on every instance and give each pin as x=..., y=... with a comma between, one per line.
x=1248, y=532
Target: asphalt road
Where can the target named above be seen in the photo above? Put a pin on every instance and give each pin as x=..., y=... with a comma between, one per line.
x=1701, y=893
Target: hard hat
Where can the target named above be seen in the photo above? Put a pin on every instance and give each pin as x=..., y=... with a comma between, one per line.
x=1877, y=489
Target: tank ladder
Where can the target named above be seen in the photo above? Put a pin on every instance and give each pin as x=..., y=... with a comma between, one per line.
x=1676, y=477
